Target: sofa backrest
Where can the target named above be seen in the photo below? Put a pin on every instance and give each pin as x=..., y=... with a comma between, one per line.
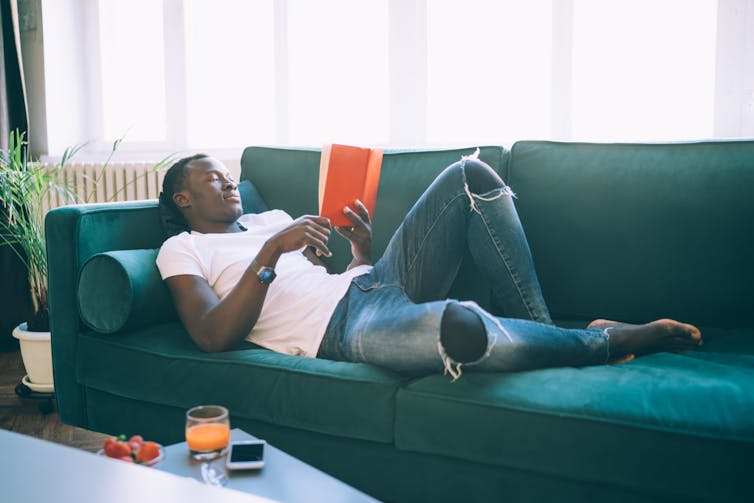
x=287, y=178
x=640, y=231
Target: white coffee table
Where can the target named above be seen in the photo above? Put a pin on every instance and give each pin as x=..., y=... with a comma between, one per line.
x=37, y=471
x=283, y=478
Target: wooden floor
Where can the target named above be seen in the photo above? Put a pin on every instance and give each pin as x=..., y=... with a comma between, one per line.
x=22, y=415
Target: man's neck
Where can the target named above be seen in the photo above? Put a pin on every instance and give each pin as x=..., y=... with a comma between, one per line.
x=217, y=227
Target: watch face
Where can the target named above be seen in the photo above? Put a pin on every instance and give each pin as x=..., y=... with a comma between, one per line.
x=266, y=275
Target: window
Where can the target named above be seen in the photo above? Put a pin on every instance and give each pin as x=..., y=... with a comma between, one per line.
x=338, y=70
x=489, y=80
x=230, y=73
x=200, y=74
x=133, y=69
x=636, y=78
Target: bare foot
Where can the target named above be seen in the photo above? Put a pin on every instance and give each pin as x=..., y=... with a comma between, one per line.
x=659, y=335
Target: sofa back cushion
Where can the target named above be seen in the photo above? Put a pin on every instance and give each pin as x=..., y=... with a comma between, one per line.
x=287, y=179
x=637, y=232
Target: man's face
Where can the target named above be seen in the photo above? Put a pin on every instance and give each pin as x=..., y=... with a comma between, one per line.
x=209, y=193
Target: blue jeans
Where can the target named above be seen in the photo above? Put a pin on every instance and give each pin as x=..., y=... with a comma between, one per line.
x=392, y=316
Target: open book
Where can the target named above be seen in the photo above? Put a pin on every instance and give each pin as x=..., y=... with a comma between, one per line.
x=347, y=173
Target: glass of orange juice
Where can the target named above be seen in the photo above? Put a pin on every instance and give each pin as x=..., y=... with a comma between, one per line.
x=207, y=431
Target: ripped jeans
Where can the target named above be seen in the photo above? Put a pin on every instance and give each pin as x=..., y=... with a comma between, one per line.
x=392, y=316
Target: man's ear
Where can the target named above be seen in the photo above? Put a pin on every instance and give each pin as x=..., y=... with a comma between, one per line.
x=182, y=200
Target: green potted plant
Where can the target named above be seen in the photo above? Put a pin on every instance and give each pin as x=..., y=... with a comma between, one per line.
x=24, y=187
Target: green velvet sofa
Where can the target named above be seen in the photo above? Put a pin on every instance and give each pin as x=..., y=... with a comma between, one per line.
x=623, y=231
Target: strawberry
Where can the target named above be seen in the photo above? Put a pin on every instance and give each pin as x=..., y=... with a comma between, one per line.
x=109, y=446
x=116, y=447
x=148, y=452
x=136, y=442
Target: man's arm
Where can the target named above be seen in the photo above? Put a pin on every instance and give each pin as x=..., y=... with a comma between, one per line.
x=218, y=325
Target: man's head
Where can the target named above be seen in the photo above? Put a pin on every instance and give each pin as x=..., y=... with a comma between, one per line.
x=202, y=190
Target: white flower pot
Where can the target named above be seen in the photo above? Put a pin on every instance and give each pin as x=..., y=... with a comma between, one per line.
x=36, y=352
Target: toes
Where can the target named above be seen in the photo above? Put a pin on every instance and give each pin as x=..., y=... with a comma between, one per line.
x=676, y=328
x=684, y=341
x=692, y=331
x=696, y=334
x=683, y=344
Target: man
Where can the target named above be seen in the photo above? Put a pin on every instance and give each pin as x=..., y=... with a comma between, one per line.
x=258, y=277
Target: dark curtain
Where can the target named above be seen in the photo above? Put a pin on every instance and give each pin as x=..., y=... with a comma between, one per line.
x=14, y=286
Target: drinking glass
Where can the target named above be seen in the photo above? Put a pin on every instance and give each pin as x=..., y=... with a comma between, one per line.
x=207, y=436
x=207, y=431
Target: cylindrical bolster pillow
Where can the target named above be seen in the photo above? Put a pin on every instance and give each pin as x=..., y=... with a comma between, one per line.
x=121, y=290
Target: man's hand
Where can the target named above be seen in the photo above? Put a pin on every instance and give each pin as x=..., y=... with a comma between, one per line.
x=307, y=230
x=360, y=235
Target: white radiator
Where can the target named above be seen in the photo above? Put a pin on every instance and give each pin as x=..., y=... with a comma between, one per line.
x=118, y=181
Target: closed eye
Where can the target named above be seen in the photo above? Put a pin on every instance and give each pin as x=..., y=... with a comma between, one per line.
x=228, y=179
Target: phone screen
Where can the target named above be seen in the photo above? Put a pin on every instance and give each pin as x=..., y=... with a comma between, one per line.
x=240, y=453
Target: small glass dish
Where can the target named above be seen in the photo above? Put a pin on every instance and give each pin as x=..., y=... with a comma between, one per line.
x=152, y=462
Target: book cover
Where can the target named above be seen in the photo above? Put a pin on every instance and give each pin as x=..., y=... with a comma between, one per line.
x=348, y=173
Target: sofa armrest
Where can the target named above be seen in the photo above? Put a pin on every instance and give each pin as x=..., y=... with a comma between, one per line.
x=74, y=234
x=122, y=290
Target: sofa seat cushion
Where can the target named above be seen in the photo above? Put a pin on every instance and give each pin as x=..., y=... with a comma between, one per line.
x=161, y=364
x=678, y=422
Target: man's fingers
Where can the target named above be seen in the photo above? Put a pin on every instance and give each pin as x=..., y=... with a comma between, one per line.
x=322, y=229
x=311, y=225
x=346, y=232
x=362, y=211
x=317, y=234
x=319, y=246
x=321, y=233
x=353, y=217
x=323, y=221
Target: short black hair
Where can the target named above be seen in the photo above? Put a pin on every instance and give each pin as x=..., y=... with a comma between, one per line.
x=173, y=221
x=176, y=175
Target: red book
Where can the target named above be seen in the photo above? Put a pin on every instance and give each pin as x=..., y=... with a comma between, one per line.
x=346, y=174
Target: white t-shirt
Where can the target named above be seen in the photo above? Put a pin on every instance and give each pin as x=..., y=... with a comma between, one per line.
x=301, y=299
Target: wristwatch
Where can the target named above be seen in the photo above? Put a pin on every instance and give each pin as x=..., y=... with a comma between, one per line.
x=264, y=273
